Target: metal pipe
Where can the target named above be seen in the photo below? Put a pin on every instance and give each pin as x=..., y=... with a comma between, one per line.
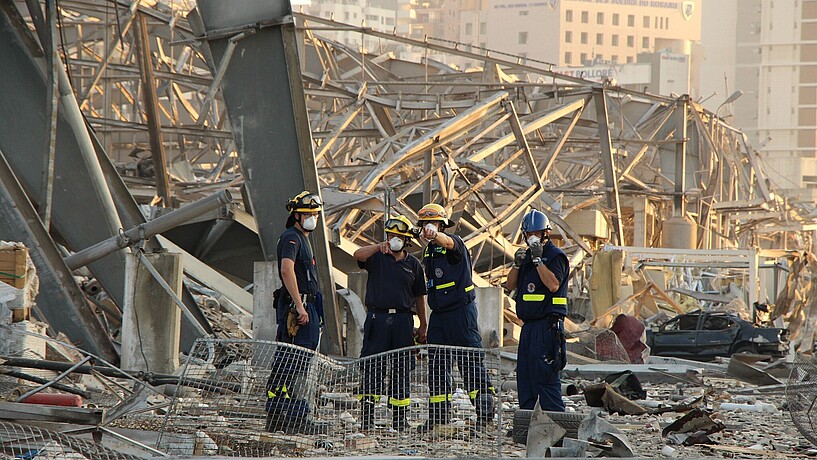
x=40, y=380
x=148, y=229
x=148, y=377
x=54, y=380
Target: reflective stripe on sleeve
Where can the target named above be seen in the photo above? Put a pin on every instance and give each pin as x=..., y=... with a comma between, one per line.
x=533, y=297
x=560, y=301
x=446, y=285
x=469, y=288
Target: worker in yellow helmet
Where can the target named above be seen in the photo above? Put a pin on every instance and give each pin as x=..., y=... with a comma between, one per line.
x=395, y=291
x=298, y=306
x=453, y=321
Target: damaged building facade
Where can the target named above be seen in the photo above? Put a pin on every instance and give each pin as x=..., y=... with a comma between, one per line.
x=148, y=149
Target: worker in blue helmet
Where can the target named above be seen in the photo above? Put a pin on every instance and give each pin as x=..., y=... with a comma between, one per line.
x=539, y=274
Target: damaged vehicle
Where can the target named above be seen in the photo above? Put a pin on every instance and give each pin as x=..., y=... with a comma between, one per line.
x=702, y=335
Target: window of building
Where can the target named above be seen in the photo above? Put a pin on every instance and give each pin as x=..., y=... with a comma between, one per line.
x=615, y=19
x=646, y=22
x=630, y=60
x=599, y=18
x=583, y=58
x=469, y=28
x=630, y=41
x=585, y=17
x=568, y=15
x=568, y=57
x=523, y=13
x=614, y=58
x=523, y=38
x=614, y=40
x=599, y=39
x=666, y=23
x=483, y=28
x=645, y=42
x=655, y=23
x=584, y=38
x=599, y=58
x=568, y=36
x=630, y=20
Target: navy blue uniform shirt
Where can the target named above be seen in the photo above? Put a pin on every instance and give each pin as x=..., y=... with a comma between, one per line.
x=293, y=245
x=393, y=283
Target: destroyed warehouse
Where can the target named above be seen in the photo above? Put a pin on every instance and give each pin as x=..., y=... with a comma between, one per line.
x=148, y=149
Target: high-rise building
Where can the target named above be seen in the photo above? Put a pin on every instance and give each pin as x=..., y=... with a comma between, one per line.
x=580, y=32
x=765, y=49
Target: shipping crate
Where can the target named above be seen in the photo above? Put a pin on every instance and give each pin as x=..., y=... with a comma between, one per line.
x=13, y=266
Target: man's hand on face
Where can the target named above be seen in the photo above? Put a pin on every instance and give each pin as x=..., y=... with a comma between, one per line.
x=536, y=250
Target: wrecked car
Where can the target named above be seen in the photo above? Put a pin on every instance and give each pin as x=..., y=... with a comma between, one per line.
x=704, y=335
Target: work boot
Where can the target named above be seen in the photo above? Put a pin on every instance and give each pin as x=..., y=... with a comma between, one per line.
x=484, y=405
x=398, y=418
x=438, y=414
x=367, y=413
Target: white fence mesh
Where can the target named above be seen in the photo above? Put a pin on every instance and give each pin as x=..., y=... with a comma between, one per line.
x=275, y=399
x=27, y=442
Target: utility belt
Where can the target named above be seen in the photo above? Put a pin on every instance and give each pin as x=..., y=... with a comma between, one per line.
x=390, y=311
x=551, y=319
x=287, y=300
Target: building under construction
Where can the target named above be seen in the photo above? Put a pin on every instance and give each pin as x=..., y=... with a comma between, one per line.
x=148, y=149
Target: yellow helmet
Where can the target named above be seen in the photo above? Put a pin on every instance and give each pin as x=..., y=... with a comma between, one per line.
x=399, y=225
x=305, y=202
x=433, y=212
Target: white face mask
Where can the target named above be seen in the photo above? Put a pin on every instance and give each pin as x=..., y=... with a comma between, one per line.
x=395, y=244
x=429, y=226
x=310, y=223
x=533, y=239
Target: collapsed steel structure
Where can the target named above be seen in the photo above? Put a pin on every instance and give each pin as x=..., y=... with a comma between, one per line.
x=386, y=133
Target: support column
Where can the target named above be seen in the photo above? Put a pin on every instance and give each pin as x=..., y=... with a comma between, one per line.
x=151, y=321
x=490, y=319
x=354, y=331
x=639, y=221
x=265, y=282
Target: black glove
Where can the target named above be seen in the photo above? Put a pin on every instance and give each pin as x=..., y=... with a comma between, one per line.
x=536, y=251
x=518, y=258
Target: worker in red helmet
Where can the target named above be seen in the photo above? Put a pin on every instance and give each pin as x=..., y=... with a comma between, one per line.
x=395, y=291
x=539, y=274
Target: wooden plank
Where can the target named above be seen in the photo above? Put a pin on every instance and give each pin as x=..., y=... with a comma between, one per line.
x=21, y=411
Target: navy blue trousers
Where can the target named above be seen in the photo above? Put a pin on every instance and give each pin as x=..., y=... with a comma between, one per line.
x=289, y=364
x=456, y=328
x=542, y=354
x=385, y=332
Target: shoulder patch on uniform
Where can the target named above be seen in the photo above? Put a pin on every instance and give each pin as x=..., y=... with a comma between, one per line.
x=531, y=287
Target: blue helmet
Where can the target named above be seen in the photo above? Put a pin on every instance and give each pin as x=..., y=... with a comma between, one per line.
x=535, y=221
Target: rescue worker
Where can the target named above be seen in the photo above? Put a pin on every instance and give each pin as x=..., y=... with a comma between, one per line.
x=539, y=275
x=298, y=306
x=395, y=287
x=453, y=321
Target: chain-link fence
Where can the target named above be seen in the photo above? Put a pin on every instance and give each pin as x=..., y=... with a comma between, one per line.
x=801, y=395
x=28, y=442
x=274, y=399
